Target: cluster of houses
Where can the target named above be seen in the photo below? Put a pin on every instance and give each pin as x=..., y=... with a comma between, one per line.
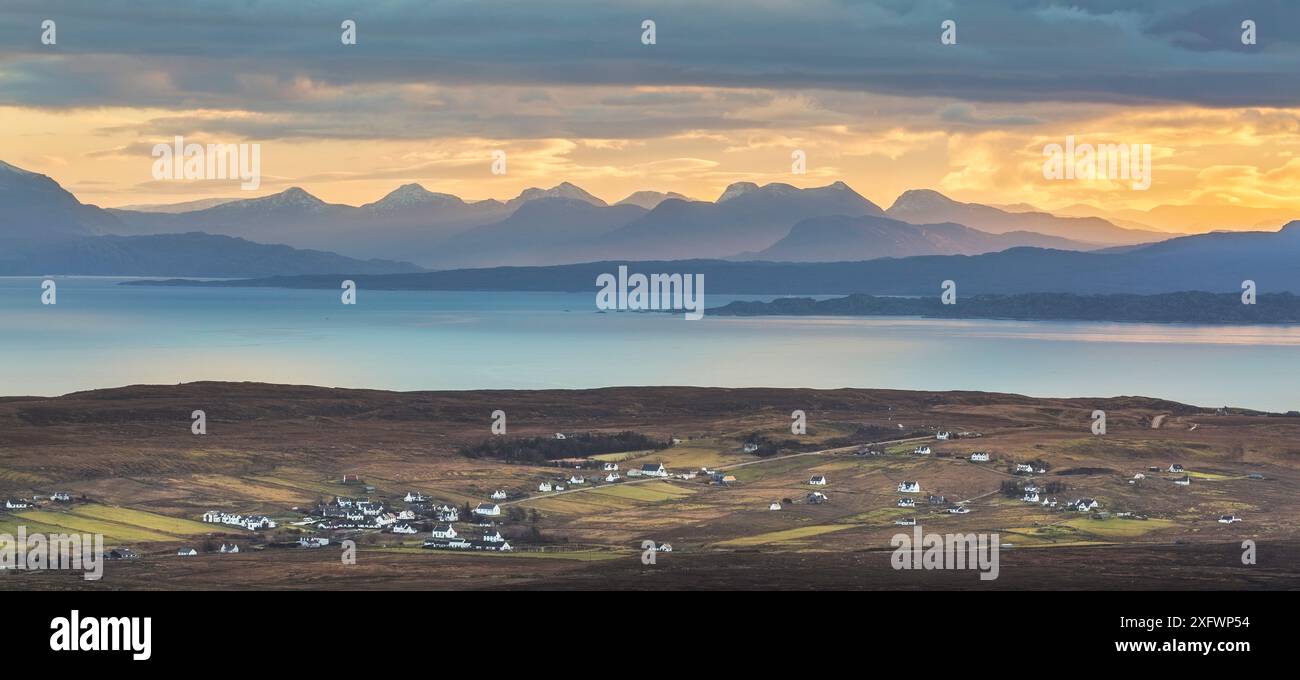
x=250, y=522
x=445, y=537
x=364, y=513
x=29, y=503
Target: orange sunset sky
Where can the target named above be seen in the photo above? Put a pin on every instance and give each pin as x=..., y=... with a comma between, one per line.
x=865, y=89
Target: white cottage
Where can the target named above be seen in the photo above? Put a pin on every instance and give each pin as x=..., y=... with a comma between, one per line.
x=654, y=470
x=909, y=487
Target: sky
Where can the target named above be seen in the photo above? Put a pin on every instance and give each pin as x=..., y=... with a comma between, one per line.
x=866, y=90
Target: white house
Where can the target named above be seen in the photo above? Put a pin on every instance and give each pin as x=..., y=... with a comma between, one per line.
x=979, y=457
x=313, y=542
x=544, y=486
x=60, y=497
x=751, y=447
x=959, y=510
x=1085, y=504
x=213, y=517
x=654, y=470
x=403, y=529
x=413, y=497
x=817, y=480
x=255, y=522
x=17, y=505
x=405, y=516
x=612, y=477
x=1228, y=519
x=576, y=479
x=909, y=487
x=906, y=503
x=610, y=466
x=560, y=435
x=906, y=522
x=1185, y=481
x=494, y=537
x=1030, y=497
x=386, y=519
x=664, y=547
x=921, y=450
x=498, y=495
x=488, y=509
x=232, y=548
x=1175, y=468
x=943, y=436
x=1139, y=476
x=774, y=506
x=444, y=531
x=187, y=552
x=1023, y=468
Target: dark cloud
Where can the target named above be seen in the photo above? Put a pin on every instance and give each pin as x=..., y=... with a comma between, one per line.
x=285, y=59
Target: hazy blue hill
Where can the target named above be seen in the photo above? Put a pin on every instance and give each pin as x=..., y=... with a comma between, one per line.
x=922, y=206
x=1195, y=263
x=192, y=254
x=35, y=208
x=828, y=239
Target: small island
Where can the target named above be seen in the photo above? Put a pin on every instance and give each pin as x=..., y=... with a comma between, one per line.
x=1184, y=307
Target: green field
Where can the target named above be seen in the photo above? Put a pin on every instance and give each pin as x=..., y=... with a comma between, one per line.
x=115, y=523
x=652, y=492
x=68, y=522
x=144, y=520
x=784, y=535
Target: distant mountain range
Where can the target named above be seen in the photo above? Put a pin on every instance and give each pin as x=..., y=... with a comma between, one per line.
x=828, y=239
x=1216, y=263
x=924, y=205
x=413, y=228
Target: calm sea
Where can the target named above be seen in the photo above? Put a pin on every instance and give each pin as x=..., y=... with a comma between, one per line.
x=100, y=334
